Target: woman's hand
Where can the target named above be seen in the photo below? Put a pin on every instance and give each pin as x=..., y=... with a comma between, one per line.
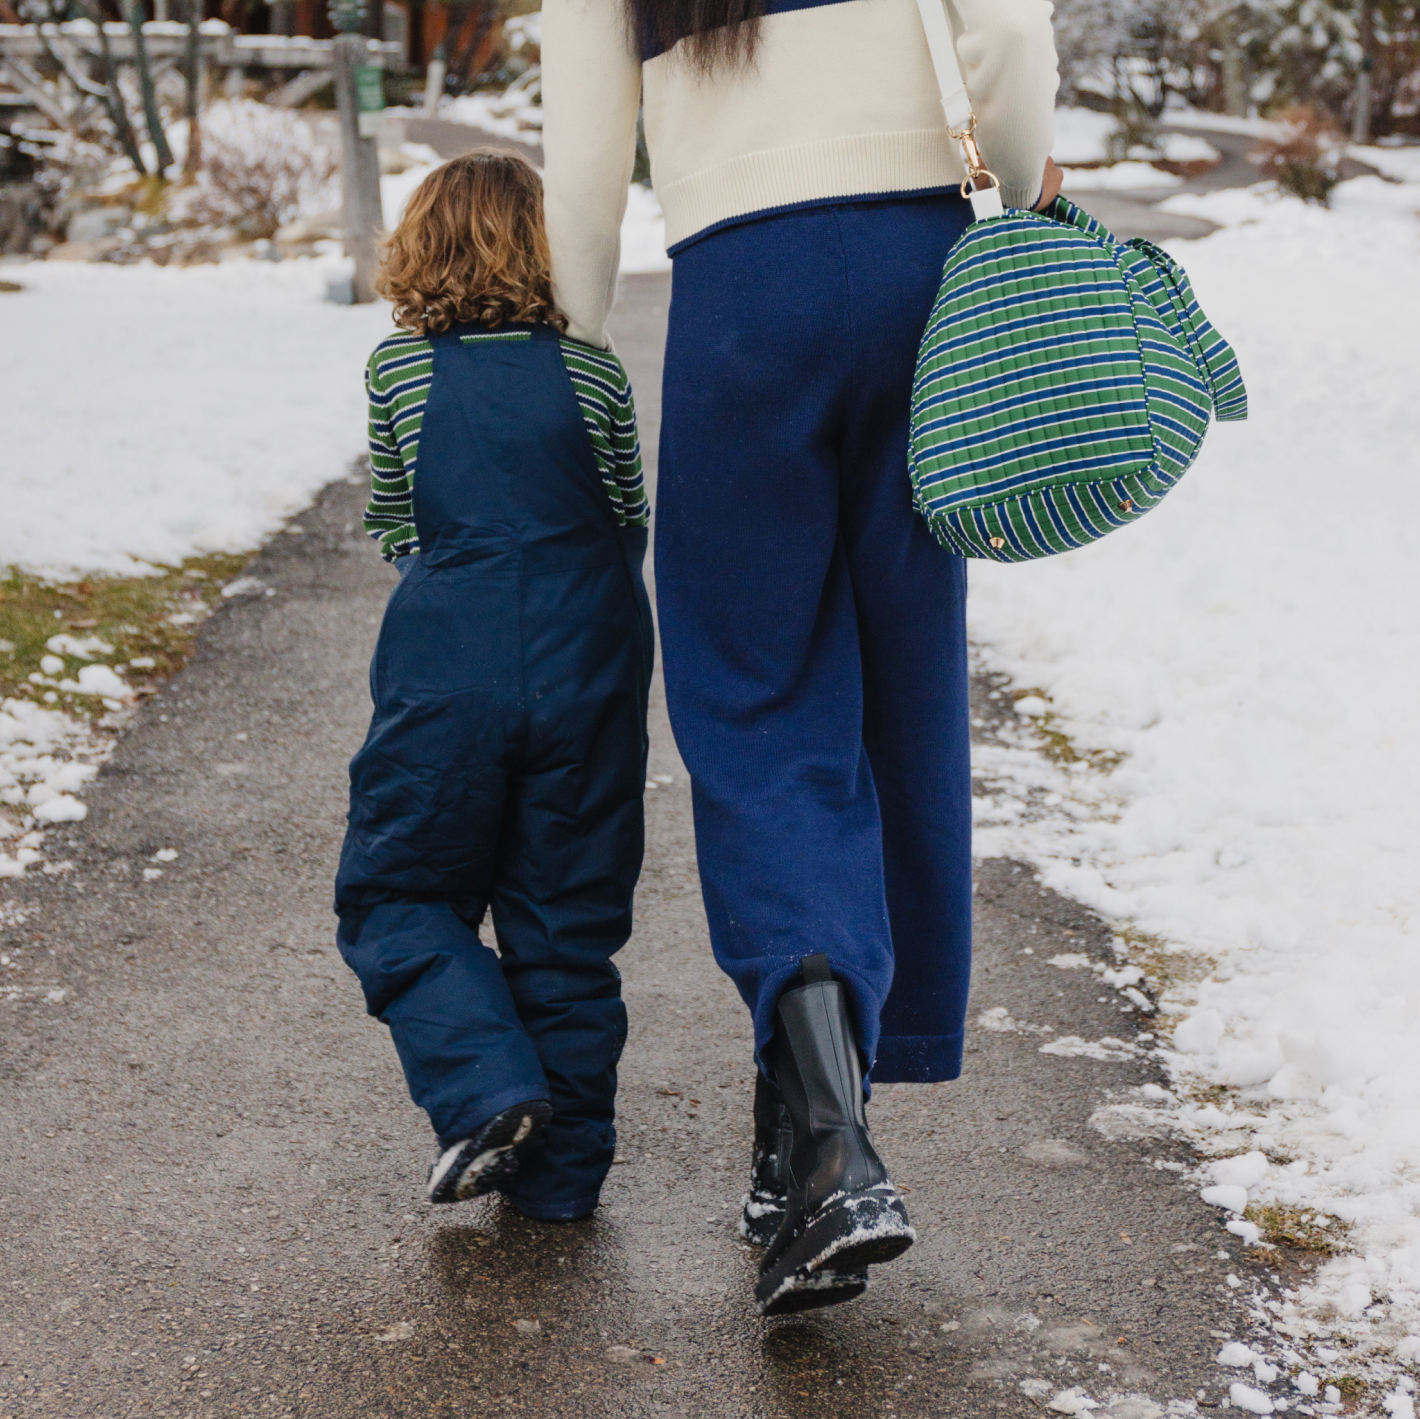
x=1049, y=185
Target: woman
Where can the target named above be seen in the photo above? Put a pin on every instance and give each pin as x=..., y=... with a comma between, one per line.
x=813, y=632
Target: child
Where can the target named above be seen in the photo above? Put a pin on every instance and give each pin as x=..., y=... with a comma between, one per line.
x=506, y=762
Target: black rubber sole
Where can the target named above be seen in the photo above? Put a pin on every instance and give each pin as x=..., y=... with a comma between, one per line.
x=489, y=1157
x=828, y=1288
x=846, y=1237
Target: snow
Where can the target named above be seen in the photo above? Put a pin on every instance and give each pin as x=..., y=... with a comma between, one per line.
x=1402, y=164
x=1252, y=1401
x=97, y=680
x=1187, y=148
x=1001, y=1022
x=1187, y=117
x=45, y=758
x=85, y=647
x=507, y=115
x=217, y=400
x=1233, y=1199
x=1249, y=1232
x=1073, y=1047
x=643, y=233
x=1400, y=1403
x=523, y=30
x=1236, y=1353
x=1245, y=1170
x=1072, y=1401
x=1082, y=136
x=1247, y=653
x=1131, y=174
x=396, y=188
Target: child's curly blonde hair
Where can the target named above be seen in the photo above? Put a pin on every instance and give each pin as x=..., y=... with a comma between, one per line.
x=471, y=248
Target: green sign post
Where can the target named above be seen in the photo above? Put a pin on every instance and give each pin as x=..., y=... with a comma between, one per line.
x=370, y=99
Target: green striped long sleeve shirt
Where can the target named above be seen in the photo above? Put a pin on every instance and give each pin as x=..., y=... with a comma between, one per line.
x=397, y=380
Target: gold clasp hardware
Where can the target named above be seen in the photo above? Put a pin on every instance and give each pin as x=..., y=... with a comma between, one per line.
x=974, y=163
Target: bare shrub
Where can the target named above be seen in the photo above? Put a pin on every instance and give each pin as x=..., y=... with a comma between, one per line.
x=261, y=168
x=1305, y=159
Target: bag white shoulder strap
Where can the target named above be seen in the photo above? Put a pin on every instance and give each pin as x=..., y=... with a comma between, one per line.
x=956, y=105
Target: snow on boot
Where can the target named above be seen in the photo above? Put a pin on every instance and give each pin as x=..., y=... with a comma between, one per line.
x=765, y=1202
x=769, y=1166
x=842, y=1212
x=478, y=1164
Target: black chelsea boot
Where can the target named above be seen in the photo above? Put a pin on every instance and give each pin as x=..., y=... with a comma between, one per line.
x=842, y=1212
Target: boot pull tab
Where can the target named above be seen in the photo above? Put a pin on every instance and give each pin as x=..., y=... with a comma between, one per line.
x=815, y=969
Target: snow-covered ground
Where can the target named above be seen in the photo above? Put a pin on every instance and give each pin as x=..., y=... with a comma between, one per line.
x=643, y=233
x=1083, y=136
x=216, y=400
x=1250, y=656
x=160, y=413
x=1130, y=175
x=510, y=114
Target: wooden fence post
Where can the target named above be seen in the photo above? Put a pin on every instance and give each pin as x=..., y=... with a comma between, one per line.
x=361, y=211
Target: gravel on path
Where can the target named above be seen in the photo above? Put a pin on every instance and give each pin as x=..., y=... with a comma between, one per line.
x=212, y=1172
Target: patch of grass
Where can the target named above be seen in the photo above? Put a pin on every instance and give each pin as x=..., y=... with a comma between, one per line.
x=144, y=618
x=1351, y=1386
x=1216, y=1094
x=1165, y=969
x=1298, y=1228
x=1058, y=746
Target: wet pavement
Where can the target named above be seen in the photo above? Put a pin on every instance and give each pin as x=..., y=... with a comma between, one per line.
x=211, y=1172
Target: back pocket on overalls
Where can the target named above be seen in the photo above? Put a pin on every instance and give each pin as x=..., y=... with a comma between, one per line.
x=449, y=629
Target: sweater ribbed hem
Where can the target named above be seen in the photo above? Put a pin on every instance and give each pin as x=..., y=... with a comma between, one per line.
x=867, y=163
x=816, y=204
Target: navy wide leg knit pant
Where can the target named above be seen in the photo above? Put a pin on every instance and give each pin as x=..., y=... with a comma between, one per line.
x=813, y=632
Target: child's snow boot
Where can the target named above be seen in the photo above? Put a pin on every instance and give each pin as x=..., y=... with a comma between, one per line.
x=477, y=1165
x=842, y=1211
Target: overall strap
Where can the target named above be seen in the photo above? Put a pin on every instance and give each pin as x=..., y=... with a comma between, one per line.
x=956, y=105
x=443, y=337
x=456, y=332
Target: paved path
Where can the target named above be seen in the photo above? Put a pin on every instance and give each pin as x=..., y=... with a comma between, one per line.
x=211, y=1172
x=449, y=139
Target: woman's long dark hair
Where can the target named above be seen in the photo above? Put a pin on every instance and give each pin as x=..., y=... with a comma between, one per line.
x=715, y=30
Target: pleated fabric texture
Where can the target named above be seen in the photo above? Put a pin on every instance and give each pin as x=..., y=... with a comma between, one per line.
x=1064, y=384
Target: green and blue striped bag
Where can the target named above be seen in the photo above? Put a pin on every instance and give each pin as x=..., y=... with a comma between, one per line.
x=1065, y=379
x=1064, y=384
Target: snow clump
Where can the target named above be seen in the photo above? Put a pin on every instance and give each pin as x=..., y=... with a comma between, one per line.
x=46, y=758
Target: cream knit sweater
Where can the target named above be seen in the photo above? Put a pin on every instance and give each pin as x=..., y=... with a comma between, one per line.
x=840, y=101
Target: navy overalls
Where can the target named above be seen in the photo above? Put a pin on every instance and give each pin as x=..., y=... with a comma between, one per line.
x=504, y=770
